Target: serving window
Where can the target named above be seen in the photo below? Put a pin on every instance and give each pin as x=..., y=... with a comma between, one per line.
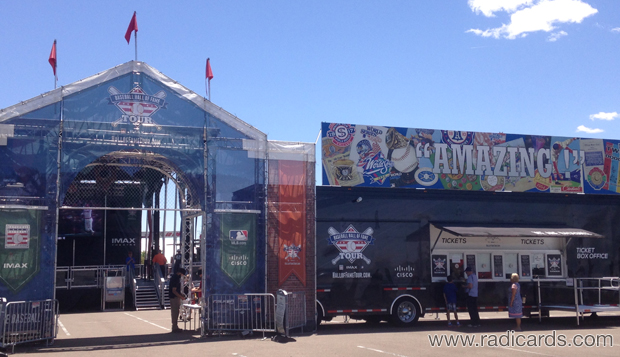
x=499, y=266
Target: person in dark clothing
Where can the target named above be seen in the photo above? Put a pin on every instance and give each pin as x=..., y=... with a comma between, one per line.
x=449, y=294
x=178, y=259
x=176, y=297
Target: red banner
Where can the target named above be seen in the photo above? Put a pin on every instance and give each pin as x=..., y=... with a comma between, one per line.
x=292, y=220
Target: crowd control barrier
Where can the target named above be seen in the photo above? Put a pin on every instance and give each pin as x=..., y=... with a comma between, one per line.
x=290, y=312
x=28, y=321
x=240, y=312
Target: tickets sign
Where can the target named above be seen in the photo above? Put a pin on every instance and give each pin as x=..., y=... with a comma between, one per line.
x=381, y=156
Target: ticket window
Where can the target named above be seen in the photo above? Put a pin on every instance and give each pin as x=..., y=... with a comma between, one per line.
x=511, y=264
x=456, y=266
x=538, y=265
x=483, y=266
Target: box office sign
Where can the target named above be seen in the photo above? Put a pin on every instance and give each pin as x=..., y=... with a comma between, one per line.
x=238, y=237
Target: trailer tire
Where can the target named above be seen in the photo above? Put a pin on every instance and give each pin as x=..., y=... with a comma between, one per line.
x=319, y=315
x=405, y=312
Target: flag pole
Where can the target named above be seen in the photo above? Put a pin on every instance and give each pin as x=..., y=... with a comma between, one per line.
x=135, y=38
x=56, y=65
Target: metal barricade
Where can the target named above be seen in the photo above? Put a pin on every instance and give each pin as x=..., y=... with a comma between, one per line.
x=240, y=312
x=29, y=321
x=295, y=311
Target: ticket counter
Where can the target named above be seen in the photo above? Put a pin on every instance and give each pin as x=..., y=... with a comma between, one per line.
x=495, y=253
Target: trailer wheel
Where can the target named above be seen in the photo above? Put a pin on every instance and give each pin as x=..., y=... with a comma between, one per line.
x=319, y=315
x=405, y=312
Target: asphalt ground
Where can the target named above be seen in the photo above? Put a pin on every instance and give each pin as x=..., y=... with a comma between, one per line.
x=147, y=333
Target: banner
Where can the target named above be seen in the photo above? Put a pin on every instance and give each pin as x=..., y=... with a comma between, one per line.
x=381, y=156
x=19, y=247
x=292, y=220
x=238, y=238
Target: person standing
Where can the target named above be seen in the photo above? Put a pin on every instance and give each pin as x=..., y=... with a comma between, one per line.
x=472, y=298
x=161, y=260
x=449, y=294
x=198, y=290
x=177, y=261
x=131, y=263
x=176, y=297
x=515, y=309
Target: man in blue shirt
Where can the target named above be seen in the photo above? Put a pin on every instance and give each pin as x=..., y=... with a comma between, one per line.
x=472, y=298
x=449, y=294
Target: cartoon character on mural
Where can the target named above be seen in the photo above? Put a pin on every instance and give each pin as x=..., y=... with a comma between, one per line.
x=556, y=149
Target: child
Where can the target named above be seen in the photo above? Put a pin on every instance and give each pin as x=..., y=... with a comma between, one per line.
x=449, y=294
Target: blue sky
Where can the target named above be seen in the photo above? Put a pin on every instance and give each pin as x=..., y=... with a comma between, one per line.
x=547, y=67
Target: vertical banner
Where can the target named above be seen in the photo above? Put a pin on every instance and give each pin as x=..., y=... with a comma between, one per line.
x=238, y=237
x=292, y=220
x=19, y=247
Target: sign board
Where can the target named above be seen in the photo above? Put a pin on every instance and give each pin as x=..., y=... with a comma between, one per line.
x=384, y=156
x=115, y=289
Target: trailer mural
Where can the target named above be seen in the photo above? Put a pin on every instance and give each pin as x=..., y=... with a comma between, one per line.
x=381, y=156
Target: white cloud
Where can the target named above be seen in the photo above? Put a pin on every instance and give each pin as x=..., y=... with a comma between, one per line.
x=604, y=116
x=585, y=129
x=531, y=16
x=556, y=35
x=489, y=7
x=615, y=29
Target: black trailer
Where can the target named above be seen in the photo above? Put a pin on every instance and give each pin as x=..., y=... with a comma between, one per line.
x=385, y=253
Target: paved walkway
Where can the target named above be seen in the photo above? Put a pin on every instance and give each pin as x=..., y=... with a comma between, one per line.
x=147, y=333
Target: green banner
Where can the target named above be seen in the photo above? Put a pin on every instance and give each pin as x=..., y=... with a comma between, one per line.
x=19, y=247
x=238, y=235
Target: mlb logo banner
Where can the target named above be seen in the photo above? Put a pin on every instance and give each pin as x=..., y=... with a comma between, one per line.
x=17, y=236
x=238, y=236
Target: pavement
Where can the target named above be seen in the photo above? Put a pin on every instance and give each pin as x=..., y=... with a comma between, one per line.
x=146, y=333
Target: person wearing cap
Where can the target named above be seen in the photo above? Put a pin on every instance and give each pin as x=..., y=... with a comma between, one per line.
x=176, y=297
x=472, y=298
x=177, y=261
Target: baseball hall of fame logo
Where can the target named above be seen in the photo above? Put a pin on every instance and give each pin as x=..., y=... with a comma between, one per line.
x=137, y=106
x=350, y=243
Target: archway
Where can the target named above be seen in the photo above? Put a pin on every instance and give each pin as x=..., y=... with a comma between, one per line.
x=125, y=201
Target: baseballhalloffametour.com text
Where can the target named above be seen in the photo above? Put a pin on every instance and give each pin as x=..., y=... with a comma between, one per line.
x=512, y=339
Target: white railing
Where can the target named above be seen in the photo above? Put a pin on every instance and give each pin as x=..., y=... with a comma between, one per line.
x=91, y=276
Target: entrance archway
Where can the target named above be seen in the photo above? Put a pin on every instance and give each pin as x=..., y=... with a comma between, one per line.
x=125, y=201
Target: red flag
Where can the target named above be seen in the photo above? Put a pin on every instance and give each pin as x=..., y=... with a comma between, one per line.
x=133, y=26
x=52, y=59
x=209, y=73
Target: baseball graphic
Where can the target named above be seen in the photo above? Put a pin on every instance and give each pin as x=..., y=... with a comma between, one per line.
x=404, y=159
x=137, y=108
x=402, y=153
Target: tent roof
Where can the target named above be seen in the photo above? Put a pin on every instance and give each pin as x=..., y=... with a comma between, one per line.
x=548, y=232
x=58, y=94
